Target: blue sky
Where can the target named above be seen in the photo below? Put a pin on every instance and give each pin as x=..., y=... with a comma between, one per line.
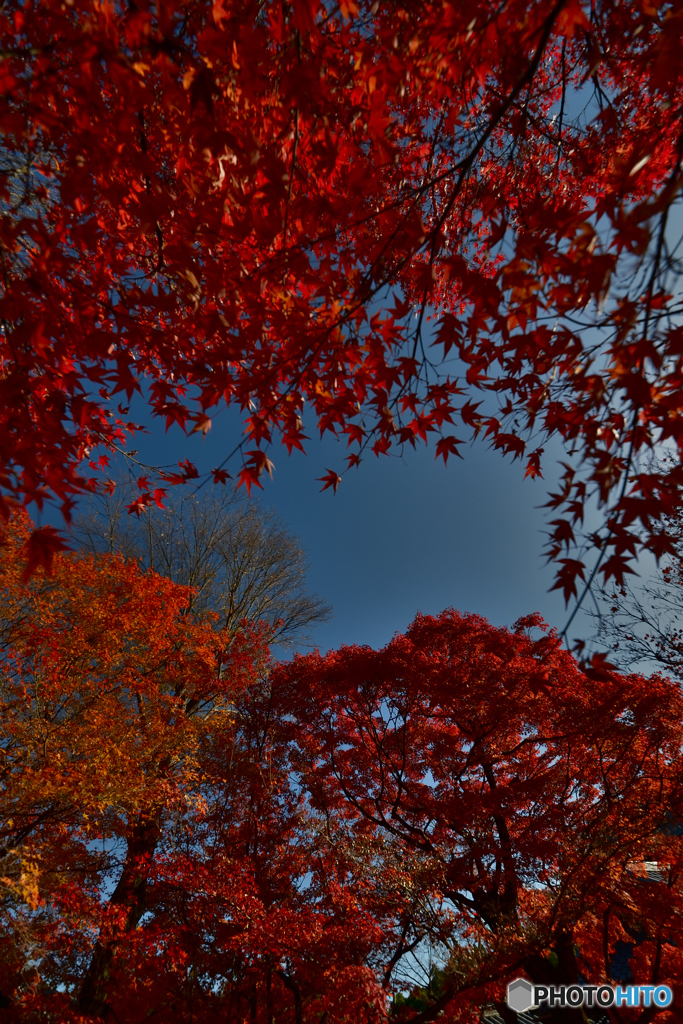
x=401, y=535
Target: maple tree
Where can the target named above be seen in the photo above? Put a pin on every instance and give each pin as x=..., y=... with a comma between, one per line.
x=529, y=797
x=391, y=221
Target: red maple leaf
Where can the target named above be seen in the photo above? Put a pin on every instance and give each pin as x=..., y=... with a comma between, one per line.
x=41, y=547
x=331, y=479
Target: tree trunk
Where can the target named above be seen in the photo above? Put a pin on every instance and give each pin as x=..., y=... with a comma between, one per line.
x=131, y=892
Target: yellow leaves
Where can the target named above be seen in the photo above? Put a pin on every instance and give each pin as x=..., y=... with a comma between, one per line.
x=25, y=885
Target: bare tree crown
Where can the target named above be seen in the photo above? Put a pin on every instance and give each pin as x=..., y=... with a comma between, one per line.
x=240, y=559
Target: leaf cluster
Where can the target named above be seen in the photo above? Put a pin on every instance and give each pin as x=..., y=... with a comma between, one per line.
x=271, y=205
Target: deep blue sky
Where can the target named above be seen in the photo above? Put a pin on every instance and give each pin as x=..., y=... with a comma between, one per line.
x=401, y=534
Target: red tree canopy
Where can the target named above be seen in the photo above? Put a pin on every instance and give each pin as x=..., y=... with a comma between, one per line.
x=526, y=803
x=264, y=204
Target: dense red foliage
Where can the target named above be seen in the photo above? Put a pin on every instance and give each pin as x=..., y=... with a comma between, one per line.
x=188, y=835
x=522, y=798
x=264, y=203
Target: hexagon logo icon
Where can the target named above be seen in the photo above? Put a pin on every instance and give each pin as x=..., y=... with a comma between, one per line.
x=520, y=995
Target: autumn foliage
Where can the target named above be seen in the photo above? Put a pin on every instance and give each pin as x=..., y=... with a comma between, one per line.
x=390, y=221
x=522, y=800
x=190, y=833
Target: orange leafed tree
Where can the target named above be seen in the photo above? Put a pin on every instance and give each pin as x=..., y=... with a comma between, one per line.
x=107, y=688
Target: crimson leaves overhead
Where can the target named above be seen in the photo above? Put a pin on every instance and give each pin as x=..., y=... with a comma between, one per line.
x=394, y=222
